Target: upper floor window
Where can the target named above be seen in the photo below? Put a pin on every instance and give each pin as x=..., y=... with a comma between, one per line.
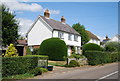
x=69, y=36
x=75, y=37
x=61, y=35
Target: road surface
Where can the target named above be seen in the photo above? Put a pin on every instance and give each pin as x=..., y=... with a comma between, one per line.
x=107, y=72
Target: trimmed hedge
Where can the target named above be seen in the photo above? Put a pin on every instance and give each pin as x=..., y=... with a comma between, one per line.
x=99, y=57
x=55, y=48
x=20, y=64
x=92, y=47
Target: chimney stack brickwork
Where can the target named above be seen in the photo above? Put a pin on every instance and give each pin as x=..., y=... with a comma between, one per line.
x=63, y=19
x=47, y=13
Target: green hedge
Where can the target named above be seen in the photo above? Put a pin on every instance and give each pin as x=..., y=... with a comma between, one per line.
x=92, y=47
x=55, y=48
x=20, y=64
x=99, y=57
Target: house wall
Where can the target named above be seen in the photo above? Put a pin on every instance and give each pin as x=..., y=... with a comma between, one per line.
x=94, y=41
x=69, y=42
x=38, y=33
x=115, y=39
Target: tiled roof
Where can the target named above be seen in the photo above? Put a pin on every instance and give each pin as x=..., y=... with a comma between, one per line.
x=56, y=25
x=22, y=42
x=91, y=35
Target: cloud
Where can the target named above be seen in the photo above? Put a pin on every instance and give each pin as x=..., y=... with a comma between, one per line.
x=54, y=11
x=15, y=5
x=23, y=27
x=34, y=7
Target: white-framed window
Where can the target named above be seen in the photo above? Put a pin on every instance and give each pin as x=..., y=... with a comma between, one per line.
x=75, y=37
x=61, y=35
x=69, y=36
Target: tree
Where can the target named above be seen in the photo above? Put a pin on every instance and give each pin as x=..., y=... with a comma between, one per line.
x=81, y=30
x=11, y=51
x=55, y=48
x=9, y=27
x=112, y=46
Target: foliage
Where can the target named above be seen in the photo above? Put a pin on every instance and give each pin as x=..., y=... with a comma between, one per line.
x=35, y=51
x=44, y=70
x=99, y=57
x=112, y=46
x=91, y=47
x=73, y=63
x=73, y=50
x=9, y=27
x=77, y=56
x=28, y=52
x=36, y=71
x=20, y=64
x=81, y=30
x=55, y=48
x=19, y=76
x=11, y=51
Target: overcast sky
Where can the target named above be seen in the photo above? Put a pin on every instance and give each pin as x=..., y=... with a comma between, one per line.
x=101, y=18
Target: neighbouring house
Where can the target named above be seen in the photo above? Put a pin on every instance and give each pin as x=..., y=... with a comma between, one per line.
x=105, y=40
x=21, y=47
x=116, y=38
x=45, y=27
x=93, y=38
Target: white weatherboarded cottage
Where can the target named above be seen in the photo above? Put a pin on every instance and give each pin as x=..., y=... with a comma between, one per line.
x=44, y=28
x=93, y=38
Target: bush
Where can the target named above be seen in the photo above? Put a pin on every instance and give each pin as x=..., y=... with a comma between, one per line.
x=77, y=56
x=20, y=64
x=36, y=71
x=92, y=47
x=44, y=70
x=35, y=51
x=28, y=52
x=55, y=48
x=11, y=51
x=112, y=46
x=73, y=63
x=99, y=57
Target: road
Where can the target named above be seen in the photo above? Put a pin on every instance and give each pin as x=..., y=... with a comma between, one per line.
x=96, y=72
x=92, y=73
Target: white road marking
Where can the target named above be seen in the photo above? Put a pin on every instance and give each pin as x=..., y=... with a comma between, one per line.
x=107, y=75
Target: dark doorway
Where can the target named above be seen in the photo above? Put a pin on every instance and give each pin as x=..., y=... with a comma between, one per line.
x=20, y=50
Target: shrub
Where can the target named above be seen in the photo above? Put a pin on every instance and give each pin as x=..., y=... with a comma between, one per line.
x=55, y=48
x=36, y=71
x=112, y=46
x=35, y=51
x=99, y=57
x=44, y=70
x=20, y=64
x=73, y=50
x=28, y=52
x=73, y=63
x=77, y=56
x=11, y=51
x=92, y=47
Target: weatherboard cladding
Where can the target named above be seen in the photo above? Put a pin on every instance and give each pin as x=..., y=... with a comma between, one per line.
x=56, y=25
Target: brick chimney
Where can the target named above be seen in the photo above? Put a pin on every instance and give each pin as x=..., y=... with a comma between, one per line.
x=47, y=13
x=63, y=19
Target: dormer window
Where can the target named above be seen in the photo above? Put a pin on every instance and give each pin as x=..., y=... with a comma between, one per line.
x=61, y=35
x=69, y=36
x=75, y=37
